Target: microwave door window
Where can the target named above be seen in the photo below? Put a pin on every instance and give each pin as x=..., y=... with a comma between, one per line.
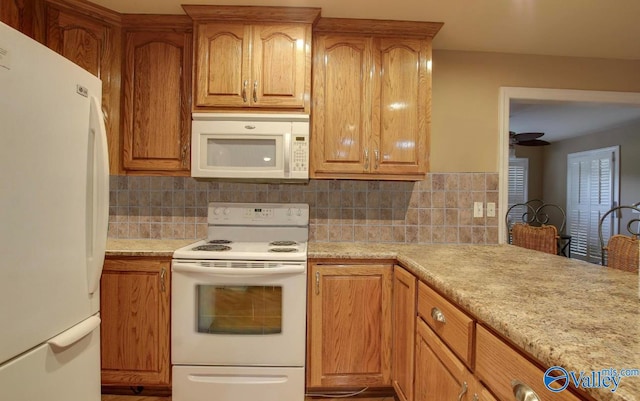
x=242, y=153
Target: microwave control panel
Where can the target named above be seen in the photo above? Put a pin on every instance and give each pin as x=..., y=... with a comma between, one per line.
x=300, y=152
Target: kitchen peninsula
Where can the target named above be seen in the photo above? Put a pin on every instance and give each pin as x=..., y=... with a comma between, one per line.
x=559, y=311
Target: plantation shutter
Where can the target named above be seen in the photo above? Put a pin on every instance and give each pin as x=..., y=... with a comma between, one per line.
x=518, y=185
x=590, y=193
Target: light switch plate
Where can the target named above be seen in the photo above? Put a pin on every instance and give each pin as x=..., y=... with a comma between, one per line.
x=491, y=209
x=477, y=209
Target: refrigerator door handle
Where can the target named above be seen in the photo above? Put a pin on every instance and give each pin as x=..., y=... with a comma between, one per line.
x=97, y=197
x=75, y=333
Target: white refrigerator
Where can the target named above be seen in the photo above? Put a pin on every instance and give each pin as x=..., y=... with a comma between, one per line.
x=54, y=193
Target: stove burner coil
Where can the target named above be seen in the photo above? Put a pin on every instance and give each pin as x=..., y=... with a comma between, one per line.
x=283, y=249
x=283, y=243
x=219, y=241
x=212, y=247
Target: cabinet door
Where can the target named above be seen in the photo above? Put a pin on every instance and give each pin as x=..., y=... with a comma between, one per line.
x=401, y=106
x=135, y=330
x=19, y=14
x=281, y=65
x=342, y=105
x=404, y=320
x=156, y=109
x=222, y=65
x=94, y=45
x=349, y=321
x=439, y=374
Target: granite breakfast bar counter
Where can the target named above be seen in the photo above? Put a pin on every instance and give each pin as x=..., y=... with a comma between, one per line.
x=561, y=311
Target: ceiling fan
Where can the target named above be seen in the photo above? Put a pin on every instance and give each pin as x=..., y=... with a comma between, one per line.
x=527, y=139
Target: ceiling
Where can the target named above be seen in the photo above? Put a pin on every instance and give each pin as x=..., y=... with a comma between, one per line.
x=594, y=28
x=563, y=120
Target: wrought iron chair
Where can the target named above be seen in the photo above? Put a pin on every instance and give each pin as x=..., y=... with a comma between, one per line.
x=538, y=214
x=543, y=238
x=621, y=251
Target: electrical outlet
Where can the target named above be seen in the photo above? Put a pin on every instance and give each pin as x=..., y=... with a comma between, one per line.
x=477, y=209
x=491, y=209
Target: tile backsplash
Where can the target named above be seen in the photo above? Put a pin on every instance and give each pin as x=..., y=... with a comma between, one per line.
x=436, y=210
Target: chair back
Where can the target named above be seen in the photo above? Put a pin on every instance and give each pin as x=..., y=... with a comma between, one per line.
x=543, y=238
x=621, y=251
x=535, y=213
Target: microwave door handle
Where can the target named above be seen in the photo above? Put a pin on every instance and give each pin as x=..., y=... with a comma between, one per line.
x=236, y=272
x=287, y=154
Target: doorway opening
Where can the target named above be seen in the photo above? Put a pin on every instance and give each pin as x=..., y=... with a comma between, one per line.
x=509, y=94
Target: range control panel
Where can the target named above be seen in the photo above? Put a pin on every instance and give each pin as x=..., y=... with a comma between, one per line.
x=277, y=214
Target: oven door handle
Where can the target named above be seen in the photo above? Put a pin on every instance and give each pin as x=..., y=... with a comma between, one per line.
x=237, y=272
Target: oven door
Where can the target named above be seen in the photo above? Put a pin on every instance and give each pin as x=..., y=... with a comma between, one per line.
x=238, y=313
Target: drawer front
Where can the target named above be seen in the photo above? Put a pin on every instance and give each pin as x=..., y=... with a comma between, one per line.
x=453, y=326
x=498, y=365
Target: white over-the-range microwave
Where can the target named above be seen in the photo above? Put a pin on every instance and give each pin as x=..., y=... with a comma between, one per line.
x=258, y=147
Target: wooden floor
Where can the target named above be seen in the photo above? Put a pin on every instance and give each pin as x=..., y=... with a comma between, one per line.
x=140, y=398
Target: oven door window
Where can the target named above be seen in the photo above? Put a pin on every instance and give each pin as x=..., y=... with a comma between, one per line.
x=239, y=309
x=258, y=152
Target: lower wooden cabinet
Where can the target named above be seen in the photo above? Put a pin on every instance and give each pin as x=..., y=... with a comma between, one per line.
x=349, y=325
x=404, y=329
x=505, y=370
x=440, y=375
x=135, y=312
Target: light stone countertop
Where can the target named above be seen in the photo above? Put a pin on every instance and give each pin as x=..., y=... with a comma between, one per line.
x=145, y=247
x=563, y=312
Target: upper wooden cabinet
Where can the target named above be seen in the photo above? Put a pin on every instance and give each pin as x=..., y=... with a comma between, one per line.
x=371, y=99
x=156, y=87
x=252, y=57
x=90, y=36
x=20, y=15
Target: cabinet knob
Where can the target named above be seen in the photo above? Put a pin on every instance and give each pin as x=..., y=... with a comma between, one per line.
x=437, y=315
x=522, y=392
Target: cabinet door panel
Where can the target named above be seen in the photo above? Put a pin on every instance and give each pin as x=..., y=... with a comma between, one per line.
x=156, y=90
x=222, y=65
x=402, y=105
x=404, y=320
x=350, y=333
x=342, y=113
x=279, y=65
x=135, y=307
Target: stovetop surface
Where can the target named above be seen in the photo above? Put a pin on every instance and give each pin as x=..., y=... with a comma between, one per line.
x=240, y=250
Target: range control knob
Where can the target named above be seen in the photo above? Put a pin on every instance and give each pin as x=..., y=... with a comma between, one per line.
x=226, y=211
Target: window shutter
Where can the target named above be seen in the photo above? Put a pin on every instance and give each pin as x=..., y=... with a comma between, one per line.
x=590, y=194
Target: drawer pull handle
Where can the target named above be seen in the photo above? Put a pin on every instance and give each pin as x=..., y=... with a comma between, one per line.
x=463, y=391
x=437, y=315
x=522, y=392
